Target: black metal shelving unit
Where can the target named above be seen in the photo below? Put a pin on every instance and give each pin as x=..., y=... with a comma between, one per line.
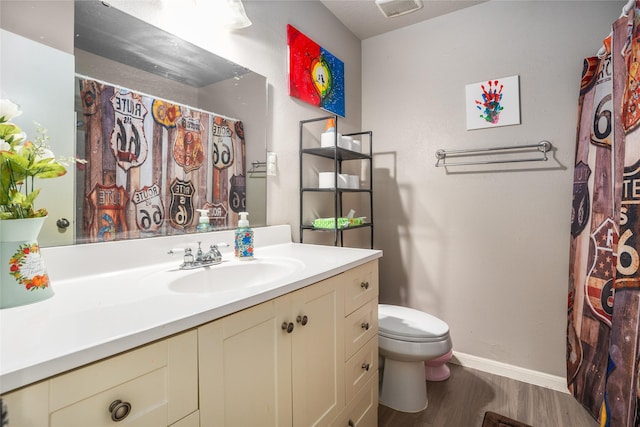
x=338, y=155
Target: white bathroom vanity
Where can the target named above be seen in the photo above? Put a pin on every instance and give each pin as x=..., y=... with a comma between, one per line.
x=130, y=337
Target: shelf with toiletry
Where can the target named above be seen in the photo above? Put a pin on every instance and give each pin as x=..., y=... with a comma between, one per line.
x=329, y=188
x=339, y=152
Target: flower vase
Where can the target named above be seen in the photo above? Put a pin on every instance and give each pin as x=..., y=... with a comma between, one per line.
x=23, y=278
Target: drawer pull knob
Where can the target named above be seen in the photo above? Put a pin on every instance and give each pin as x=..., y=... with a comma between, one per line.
x=119, y=410
x=303, y=320
x=63, y=223
x=366, y=366
x=352, y=424
x=364, y=285
x=287, y=327
x=365, y=326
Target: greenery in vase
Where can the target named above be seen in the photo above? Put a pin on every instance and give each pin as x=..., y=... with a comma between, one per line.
x=21, y=162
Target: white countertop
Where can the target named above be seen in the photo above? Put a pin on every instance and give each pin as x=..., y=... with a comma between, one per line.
x=112, y=297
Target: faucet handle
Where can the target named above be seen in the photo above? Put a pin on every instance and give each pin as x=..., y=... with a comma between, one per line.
x=173, y=251
x=215, y=252
x=220, y=245
x=189, y=259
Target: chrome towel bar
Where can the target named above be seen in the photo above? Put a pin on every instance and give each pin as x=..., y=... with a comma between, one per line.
x=258, y=169
x=542, y=147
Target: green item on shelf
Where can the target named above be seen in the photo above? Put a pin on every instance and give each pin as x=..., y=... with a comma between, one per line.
x=342, y=222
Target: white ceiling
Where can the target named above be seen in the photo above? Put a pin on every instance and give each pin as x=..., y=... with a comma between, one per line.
x=365, y=20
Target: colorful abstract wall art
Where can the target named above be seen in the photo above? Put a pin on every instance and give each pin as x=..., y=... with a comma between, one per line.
x=493, y=103
x=315, y=75
x=152, y=163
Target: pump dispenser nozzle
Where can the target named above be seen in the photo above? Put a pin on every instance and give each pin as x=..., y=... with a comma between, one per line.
x=203, y=222
x=243, y=221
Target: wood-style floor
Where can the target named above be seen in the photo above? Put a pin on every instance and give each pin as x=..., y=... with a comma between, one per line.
x=462, y=400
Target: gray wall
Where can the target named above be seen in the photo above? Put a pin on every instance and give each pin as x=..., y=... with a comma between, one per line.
x=486, y=251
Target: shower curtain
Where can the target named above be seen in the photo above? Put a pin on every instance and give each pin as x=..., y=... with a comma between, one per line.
x=604, y=278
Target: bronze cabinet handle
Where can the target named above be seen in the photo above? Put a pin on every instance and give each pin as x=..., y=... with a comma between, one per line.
x=287, y=327
x=119, y=410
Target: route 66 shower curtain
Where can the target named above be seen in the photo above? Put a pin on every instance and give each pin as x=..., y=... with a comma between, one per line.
x=604, y=278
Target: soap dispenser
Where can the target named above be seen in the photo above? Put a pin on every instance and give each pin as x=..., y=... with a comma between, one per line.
x=203, y=223
x=244, y=238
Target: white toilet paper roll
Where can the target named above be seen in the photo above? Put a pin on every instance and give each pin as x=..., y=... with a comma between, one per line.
x=328, y=139
x=326, y=180
x=346, y=142
x=343, y=180
x=354, y=181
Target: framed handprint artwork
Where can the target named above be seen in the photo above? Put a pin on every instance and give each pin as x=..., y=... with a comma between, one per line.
x=493, y=103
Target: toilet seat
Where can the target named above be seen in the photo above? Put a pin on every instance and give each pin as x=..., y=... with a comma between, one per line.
x=407, y=324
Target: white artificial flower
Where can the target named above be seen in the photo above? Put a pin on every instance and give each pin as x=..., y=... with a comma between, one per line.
x=8, y=110
x=19, y=137
x=22, y=136
x=4, y=145
x=45, y=153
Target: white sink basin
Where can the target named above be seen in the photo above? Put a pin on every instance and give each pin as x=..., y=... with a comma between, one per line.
x=230, y=275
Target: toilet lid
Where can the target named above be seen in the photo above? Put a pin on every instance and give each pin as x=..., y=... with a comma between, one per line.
x=408, y=324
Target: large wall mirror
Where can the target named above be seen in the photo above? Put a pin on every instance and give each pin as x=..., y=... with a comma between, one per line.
x=117, y=49
x=117, y=55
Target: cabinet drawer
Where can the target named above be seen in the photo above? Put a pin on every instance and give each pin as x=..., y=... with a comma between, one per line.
x=361, y=286
x=360, y=327
x=147, y=396
x=362, y=411
x=361, y=368
x=159, y=379
x=82, y=383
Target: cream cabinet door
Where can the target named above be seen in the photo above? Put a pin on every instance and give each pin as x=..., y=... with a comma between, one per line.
x=245, y=368
x=191, y=420
x=280, y=363
x=318, y=353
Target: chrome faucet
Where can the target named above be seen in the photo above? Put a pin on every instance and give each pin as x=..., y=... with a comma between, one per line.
x=201, y=258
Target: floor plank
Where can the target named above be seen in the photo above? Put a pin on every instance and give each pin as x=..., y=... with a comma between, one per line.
x=462, y=400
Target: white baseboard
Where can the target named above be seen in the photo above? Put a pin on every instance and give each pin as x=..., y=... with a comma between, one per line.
x=541, y=379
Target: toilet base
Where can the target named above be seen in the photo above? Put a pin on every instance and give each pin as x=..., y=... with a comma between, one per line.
x=437, y=369
x=403, y=386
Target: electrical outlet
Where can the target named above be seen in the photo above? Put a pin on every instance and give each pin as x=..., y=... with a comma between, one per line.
x=272, y=163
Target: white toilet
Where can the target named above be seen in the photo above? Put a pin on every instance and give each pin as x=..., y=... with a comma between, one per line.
x=407, y=338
